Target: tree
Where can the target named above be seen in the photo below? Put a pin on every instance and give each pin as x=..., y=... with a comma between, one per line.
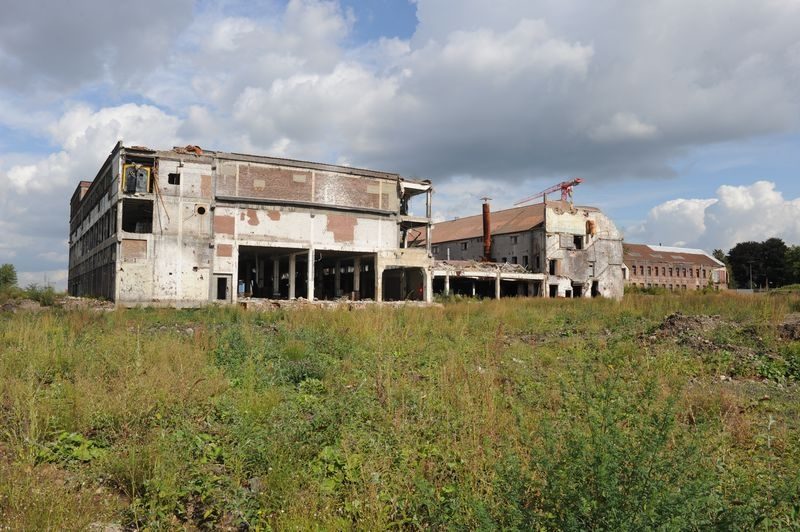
x=793, y=264
x=8, y=276
x=759, y=263
x=720, y=256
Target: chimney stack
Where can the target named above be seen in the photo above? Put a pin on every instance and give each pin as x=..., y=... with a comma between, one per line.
x=487, y=231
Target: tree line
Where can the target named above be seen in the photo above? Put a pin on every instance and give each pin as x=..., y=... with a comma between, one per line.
x=767, y=264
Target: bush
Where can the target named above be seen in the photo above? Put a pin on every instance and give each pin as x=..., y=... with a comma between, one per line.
x=44, y=295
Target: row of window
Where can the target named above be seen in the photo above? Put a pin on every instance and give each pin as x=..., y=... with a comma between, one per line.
x=664, y=285
x=678, y=272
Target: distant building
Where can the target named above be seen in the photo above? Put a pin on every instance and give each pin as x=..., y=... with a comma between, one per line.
x=552, y=249
x=672, y=268
x=185, y=227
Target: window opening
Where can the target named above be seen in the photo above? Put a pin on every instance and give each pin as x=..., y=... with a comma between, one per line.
x=137, y=216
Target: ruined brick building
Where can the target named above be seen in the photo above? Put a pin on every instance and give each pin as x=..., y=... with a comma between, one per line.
x=672, y=268
x=185, y=227
x=550, y=249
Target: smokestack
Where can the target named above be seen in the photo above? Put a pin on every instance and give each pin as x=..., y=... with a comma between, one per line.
x=487, y=231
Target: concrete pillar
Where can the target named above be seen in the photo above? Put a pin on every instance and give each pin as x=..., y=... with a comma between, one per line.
x=497, y=286
x=276, y=278
x=357, y=276
x=310, y=275
x=337, y=280
x=378, y=279
x=428, y=286
x=292, y=275
x=447, y=284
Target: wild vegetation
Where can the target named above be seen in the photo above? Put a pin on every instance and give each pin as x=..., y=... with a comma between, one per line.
x=669, y=412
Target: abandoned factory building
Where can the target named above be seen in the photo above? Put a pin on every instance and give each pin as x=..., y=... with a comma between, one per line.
x=549, y=249
x=672, y=268
x=185, y=227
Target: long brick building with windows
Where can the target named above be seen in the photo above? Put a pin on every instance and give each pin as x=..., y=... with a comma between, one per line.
x=671, y=268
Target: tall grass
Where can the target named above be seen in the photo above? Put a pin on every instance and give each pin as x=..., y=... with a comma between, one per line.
x=513, y=414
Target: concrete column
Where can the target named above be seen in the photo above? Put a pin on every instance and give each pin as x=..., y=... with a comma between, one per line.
x=428, y=286
x=276, y=278
x=447, y=284
x=337, y=279
x=378, y=280
x=310, y=275
x=497, y=286
x=357, y=276
x=292, y=275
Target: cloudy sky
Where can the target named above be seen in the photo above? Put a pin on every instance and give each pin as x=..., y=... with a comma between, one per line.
x=683, y=117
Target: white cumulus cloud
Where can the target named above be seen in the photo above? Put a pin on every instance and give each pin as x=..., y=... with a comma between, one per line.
x=737, y=214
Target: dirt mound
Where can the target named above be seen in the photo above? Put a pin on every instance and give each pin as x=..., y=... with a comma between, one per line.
x=790, y=328
x=678, y=324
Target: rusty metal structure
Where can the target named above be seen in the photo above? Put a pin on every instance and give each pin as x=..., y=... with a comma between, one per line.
x=188, y=227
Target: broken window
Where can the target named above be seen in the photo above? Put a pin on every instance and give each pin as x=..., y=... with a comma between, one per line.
x=174, y=179
x=135, y=178
x=663, y=271
x=536, y=263
x=504, y=259
x=514, y=239
x=434, y=249
x=525, y=260
x=649, y=270
x=552, y=267
x=578, y=240
x=591, y=270
x=137, y=216
x=513, y=260
x=464, y=245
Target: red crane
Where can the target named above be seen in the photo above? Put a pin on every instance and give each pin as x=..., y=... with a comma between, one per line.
x=565, y=187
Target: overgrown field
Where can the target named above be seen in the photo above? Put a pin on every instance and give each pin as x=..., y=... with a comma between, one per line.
x=512, y=414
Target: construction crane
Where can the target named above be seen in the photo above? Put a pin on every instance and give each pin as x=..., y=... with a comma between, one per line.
x=565, y=187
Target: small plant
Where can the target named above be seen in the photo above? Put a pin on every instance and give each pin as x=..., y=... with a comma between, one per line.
x=70, y=447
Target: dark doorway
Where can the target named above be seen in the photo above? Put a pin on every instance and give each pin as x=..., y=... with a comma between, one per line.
x=595, y=289
x=553, y=290
x=577, y=290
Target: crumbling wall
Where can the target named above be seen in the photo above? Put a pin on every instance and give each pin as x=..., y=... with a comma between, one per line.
x=599, y=259
x=177, y=267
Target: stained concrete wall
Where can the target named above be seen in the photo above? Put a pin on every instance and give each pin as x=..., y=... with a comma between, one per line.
x=599, y=261
x=205, y=209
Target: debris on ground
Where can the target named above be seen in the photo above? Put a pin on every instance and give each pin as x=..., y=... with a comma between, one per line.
x=790, y=328
x=20, y=305
x=91, y=303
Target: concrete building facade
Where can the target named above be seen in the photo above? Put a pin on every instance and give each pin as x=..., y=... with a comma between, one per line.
x=672, y=268
x=186, y=227
x=565, y=250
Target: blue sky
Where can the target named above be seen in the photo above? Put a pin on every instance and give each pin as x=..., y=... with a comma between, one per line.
x=683, y=135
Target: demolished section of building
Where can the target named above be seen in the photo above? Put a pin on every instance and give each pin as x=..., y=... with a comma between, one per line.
x=185, y=227
x=672, y=268
x=549, y=249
